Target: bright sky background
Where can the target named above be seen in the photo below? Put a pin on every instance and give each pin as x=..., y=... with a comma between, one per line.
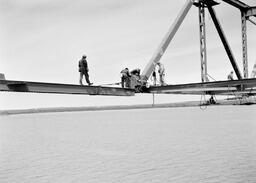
x=43, y=40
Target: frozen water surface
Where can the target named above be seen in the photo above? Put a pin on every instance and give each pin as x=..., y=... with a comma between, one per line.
x=152, y=145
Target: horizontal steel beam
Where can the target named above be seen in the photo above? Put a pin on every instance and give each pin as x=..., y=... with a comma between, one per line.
x=57, y=88
x=206, y=3
x=243, y=86
x=238, y=4
x=251, y=12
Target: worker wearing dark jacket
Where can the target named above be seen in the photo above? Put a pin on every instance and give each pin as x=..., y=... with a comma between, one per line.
x=125, y=78
x=83, y=69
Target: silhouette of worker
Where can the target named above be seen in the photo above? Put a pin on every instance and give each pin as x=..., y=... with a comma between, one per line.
x=125, y=78
x=154, y=77
x=161, y=72
x=83, y=69
x=230, y=76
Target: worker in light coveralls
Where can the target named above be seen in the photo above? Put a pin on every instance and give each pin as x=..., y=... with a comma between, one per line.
x=230, y=76
x=161, y=72
x=253, y=75
x=83, y=69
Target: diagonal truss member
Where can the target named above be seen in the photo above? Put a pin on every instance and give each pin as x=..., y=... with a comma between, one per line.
x=224, y=42
x=246, y=12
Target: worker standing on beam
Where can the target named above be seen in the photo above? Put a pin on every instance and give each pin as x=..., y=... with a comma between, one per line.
x=83, y=69
x=230, y=76
x=154, y=77
x=253, y=75
x=161, y=72
x=125, y=78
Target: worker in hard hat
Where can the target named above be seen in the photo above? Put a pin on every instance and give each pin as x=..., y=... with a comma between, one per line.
x=136, y=72
x=135, y=79
x=125, y=78
x=161, y=72
x=83, y=70
x=230, y=76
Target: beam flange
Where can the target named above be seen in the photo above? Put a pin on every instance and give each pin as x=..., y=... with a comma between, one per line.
x=230, y=87
x=57, y=88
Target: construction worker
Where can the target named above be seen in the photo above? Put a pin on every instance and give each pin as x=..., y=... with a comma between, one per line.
x=135, y=79
x=154, y=77
x=83, y=69
x=2, y=77
x=136, y=72
x=161, y=72
x=125, y=78
x=230, y=76
x=211, y=100
x=253, y=75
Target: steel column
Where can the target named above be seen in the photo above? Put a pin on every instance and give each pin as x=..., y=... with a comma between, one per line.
x=202, y=36
x=224, y=42
x=244, y=44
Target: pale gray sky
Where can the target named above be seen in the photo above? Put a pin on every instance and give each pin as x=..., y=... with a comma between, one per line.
x=43, y=40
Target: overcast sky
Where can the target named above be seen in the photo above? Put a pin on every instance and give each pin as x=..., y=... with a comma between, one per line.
x=43, y=40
